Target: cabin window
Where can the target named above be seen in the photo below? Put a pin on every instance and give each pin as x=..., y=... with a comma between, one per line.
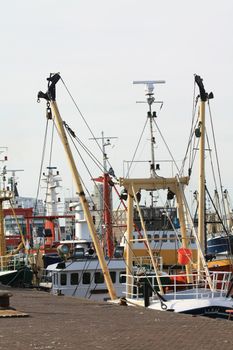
x=149, y=237
x=180, y=237
x=55, y=281
x=113, y=276
x=86, y=278
x=164, y=237
x=63, y=279
x=172, y=237
x=74, y=279
x=156, y=237
x=99, y=277
x=122, y=279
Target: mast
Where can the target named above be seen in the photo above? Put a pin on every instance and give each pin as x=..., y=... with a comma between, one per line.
x=200, y=132
x=153, y=184
x=107, y=203
x=5, y=195
x=50, y=97
x=106, y=199
x=149, y=88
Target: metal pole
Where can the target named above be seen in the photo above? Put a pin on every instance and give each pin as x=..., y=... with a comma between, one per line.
x=2, y=236
x=129, y=254
x=201, y=192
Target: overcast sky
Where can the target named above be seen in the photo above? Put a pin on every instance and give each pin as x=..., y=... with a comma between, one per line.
x=100, y=47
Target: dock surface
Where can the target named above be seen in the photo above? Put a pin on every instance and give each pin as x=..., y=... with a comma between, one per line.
x=59, y=322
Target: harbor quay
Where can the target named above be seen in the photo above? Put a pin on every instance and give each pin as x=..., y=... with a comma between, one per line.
x=45, y=321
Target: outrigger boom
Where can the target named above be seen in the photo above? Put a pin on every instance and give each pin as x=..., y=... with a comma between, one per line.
x=50, y=97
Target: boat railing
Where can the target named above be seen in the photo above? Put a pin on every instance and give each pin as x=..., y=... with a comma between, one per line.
x=177, y=287
x=14, y=262
x=145, y=261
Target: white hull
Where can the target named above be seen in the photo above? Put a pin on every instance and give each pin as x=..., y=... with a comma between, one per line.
x=186, y=298
x=193, y=305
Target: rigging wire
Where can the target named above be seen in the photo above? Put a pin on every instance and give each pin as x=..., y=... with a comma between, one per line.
x=217, y=159
x=211, y=161
x=83, y=118
x=50, y=162
x=168, y=149
x=134, y=155
x=41, y=166
x=190, y=148
x=88, y=171
x=89, y=153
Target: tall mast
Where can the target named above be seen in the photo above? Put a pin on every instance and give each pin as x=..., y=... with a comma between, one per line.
x=200, y=132
x=149, y=88
x=106, y=204
x=50, y=96
x=5, y=195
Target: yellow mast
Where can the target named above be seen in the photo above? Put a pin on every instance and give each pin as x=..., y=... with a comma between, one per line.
x=201, y=191
x=50, y=96
x=200, y=132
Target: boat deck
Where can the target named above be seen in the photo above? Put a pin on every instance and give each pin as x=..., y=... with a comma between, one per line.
x=58, y=322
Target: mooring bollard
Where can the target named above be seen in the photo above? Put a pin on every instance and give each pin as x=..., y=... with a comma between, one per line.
x=5, y=299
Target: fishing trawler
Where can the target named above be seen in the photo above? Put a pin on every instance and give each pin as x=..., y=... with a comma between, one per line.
x=197, y=291
x=161, y=222
x=78, y=273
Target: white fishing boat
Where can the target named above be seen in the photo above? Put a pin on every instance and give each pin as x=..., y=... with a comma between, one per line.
x=84, y=278
x=79, y=273
x=198, y=291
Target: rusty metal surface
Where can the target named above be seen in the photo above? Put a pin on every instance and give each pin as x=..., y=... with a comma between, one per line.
x=58, y=322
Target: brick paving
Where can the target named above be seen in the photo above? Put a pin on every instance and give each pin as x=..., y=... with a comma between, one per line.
x=58, y=322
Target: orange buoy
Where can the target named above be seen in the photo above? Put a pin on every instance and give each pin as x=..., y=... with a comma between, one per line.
x=184, y=256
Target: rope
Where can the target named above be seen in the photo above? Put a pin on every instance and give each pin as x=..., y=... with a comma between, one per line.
x=88, y=171
x=83, y=118
x=50, y=162
x=166, y=146
x=89, y=153
x=41, y=166
x=211, y=162
x=189, y=148
x=134, y=155
x=217, y=160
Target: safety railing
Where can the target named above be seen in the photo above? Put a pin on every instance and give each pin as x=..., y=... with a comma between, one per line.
x=177, y=287
x=14, y=262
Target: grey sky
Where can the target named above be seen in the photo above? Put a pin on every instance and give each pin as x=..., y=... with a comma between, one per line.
x=100, y=47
